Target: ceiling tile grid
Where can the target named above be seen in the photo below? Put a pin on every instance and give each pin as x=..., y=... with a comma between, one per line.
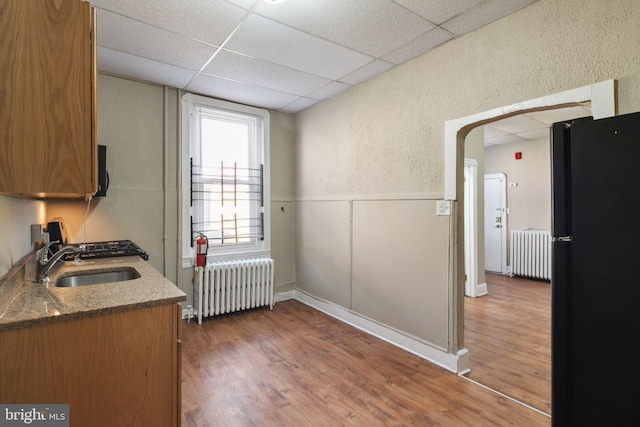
x=231, y=65
x=138, y=68
x=285, y=56
x=530, y=126
x=370, y=28
x=152, y=42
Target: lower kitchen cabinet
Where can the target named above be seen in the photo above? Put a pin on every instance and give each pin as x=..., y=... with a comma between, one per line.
x=118, y=369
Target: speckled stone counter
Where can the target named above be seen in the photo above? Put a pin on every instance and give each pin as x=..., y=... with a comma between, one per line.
x=24, y=303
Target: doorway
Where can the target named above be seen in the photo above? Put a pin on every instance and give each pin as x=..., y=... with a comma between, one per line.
x=602, y=105
x=602, y=98
x=495, y=223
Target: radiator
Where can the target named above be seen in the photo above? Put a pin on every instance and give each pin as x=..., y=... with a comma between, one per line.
x=531, y=253
x=227, y=286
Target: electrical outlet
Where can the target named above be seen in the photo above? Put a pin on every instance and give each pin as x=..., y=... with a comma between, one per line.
x=443, y=207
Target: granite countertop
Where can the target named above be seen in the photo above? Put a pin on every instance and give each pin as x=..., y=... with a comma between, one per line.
x=24, y=303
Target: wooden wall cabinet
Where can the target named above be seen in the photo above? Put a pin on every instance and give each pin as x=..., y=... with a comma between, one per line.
x=120, y=369
x=48, y=142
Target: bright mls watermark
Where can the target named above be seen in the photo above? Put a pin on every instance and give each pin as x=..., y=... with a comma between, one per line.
x=34, y=415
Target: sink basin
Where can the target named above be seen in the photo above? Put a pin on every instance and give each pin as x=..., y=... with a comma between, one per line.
x=95, y=277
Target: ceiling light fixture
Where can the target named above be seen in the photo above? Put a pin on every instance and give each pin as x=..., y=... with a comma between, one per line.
x=274, y=1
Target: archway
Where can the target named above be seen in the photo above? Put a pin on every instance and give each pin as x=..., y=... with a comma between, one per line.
x=603, y=104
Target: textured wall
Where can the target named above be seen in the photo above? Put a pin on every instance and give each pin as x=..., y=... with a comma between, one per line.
x=384, y=139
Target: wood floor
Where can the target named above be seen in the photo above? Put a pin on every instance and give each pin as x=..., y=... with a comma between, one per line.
x=295, y=366
x=508, y=335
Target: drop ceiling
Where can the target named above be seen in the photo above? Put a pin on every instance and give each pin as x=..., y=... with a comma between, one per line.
x=283, y=57
x=530, y=126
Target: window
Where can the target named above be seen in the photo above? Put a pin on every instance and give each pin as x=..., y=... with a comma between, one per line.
x=228, y=177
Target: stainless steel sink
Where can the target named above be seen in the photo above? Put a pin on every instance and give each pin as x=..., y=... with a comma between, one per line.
x=96, y=277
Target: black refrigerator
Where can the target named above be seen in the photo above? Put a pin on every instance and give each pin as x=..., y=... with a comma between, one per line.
x=595, y=283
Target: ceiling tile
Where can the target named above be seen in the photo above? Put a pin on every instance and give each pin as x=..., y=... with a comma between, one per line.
x=205, y=84
x=288, y=55
x=265, y=39
x=491, y=131
x=419, y=46
x=483, y=14
x=518, y=123
x=116, y=32
x=373, y=68
x=245, y=4
x=210, y=21
x=370, y=27
x=550, y=117
x=438, y=11
x=242, y=68
x=123, y=64
x=535, y=134
x=504, y=139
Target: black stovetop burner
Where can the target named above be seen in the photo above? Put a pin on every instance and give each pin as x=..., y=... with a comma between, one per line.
x=109, y=249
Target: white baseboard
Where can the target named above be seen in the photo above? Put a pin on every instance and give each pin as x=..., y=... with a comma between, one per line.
x=283, y=296
x=457, y=363
x=482, y=289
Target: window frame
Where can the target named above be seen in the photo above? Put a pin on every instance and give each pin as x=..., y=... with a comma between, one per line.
x=262, y=248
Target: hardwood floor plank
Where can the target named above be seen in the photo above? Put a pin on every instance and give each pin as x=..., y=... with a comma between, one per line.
x=295, y=366
x=508, y=335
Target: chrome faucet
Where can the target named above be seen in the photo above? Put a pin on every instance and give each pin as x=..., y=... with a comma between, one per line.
x=47, y=264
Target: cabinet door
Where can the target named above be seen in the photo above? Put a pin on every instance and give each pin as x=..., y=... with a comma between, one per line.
x=47, y=113
x=118, y=369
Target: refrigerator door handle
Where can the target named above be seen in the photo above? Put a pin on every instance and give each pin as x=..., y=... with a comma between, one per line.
x=561, y=239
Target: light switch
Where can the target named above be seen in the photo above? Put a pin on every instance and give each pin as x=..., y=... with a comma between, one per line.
x=443, y=207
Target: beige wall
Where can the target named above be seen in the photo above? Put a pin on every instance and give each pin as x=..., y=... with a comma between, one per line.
x=133, y=119
x=130, y=125
x=384, y=139
x=283, y=200
x=16, y=217
x=529, y=202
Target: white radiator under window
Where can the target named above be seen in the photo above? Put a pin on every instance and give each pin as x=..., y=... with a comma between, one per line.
x=531, y=253
x=227, y=286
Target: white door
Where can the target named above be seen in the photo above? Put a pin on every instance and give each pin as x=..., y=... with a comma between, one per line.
x=495, y=223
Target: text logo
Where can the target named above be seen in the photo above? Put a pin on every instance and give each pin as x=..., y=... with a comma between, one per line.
x=34, y=415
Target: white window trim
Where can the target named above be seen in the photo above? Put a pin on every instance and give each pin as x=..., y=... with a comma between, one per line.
x=188, y=253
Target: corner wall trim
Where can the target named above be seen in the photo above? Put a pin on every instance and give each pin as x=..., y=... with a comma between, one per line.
x=456, y=363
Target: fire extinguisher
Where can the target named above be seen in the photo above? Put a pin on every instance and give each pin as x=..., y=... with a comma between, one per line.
x=202, y=245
